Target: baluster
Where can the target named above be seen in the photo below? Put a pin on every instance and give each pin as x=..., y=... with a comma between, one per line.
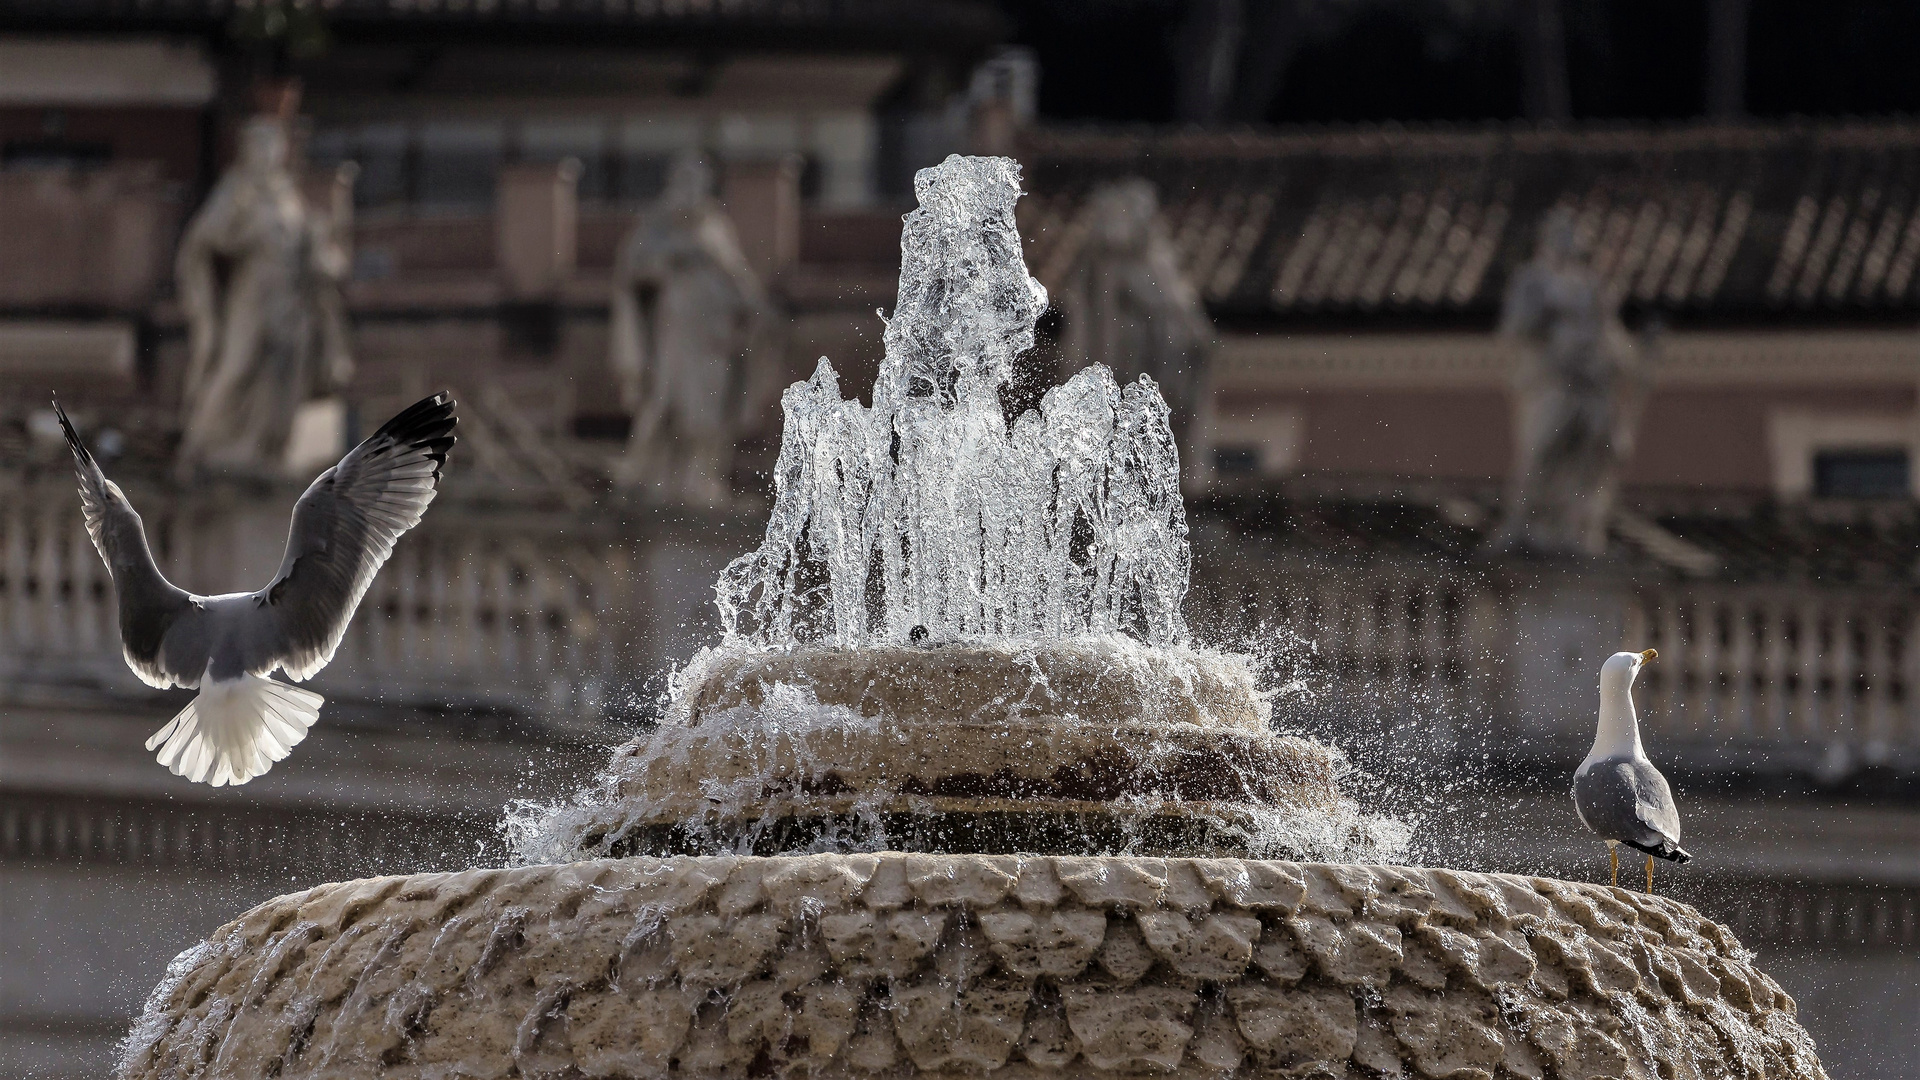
x=1880, y=664
x=1807, y=664
x=386, y=641
x=1907, y=717
x=498, y=587
x=471, y=586
x=1433, y=646
x=83, y=568
x=1636, y=630
x=76, y=600
x=18, y=631
x=441, y=639
x=1330, y=628
x=1673, y=683
x=613, y=574
x=537, y=595
x=1651, y=635
x=1791, y=687
x=1743, y=612
x=426, y=624
x=1398, y=632
x=439, y=642
x=46, y=570
x=591, y=637
x=535, y=637
x=523, y=575
x=1366, y=637
x=1778, y=661
x=1708, y=610
x=541, y=595
x=1843, y=664
x=367, y=633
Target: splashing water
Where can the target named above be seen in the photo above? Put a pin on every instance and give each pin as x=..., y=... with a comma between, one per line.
x=926, y=510
x=929, y=518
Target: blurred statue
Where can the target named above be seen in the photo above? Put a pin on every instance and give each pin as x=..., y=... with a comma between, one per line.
x=1577, y=396
x=688, y=313
x=1129, y=307
x=259, y=274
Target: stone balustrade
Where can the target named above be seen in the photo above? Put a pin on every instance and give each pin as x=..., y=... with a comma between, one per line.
x=499, y=609
x=1768, y=677
x=1783, y=666
x=550, y=613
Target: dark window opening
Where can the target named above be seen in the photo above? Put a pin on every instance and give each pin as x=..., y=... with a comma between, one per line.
x=1861, y=474
x=1236, y=461
x=54, y=154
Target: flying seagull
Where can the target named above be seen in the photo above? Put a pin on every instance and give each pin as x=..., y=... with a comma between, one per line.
x=1617, y=791
x=344, y=528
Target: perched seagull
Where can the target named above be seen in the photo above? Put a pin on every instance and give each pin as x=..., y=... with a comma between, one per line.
x=344, y=528
x=1618, y=792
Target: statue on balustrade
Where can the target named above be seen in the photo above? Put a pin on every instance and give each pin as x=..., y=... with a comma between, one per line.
x=259, y=273
x=689, y=316
x=1577, y=396
x=1129, y=306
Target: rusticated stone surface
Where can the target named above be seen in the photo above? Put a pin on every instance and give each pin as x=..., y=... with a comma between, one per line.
x=898, y=965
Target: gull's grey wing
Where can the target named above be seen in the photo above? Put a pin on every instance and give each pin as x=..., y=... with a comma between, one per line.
x=1628, y=800
x=156, y=619
x=344, y=528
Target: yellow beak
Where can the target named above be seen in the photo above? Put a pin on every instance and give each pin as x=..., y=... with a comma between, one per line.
x=1650, y=654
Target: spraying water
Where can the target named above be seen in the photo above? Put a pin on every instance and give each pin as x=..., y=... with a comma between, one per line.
x=1067, y=709
x=928, y=510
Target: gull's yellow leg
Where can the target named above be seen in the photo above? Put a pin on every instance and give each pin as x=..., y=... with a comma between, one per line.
x=1613, y=855
x=1649, y=875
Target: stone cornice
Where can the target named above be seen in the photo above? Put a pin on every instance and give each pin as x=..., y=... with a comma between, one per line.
x=1281, y=362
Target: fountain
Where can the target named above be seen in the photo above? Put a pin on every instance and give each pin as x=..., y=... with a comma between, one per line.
x=956, y=796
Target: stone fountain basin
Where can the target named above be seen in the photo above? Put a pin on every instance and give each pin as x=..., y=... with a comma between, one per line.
x=893, y=965
x=1051, y=786
x=1092, y=744
x=1087, y=677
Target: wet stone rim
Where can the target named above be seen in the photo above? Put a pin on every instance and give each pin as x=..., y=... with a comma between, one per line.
x=937, y=826
x=897, y=965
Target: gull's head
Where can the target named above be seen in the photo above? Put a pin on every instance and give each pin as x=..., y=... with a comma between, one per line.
x=1621, y=667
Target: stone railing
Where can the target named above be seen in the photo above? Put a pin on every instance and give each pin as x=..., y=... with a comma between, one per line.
x=554, y=614
x=478, y=609
x=1799, y=677
x=1801, y=670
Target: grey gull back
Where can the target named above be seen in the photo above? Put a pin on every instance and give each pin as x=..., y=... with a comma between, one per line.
x=344, y=527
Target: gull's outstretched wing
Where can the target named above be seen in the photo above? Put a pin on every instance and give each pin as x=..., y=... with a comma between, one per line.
x=344, y=528
x=149, y=605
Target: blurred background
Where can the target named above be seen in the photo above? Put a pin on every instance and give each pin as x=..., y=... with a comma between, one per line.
x=1501, y=334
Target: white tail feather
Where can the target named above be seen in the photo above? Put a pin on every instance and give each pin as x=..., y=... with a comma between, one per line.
x=235, y=730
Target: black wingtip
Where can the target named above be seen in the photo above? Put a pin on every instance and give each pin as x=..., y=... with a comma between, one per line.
x=1667, y=850
x=80, y=451
x=428, y=422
